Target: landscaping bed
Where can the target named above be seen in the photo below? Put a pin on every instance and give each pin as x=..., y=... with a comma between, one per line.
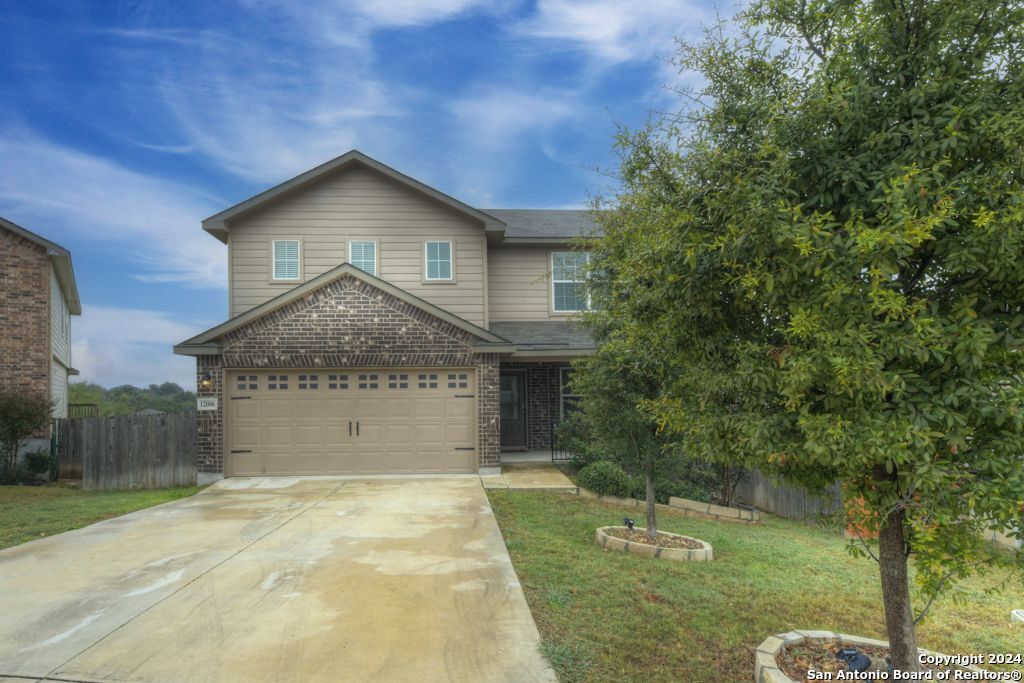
x=796, y=658
x=663, y=541
x=30, y=512
x=606, y=616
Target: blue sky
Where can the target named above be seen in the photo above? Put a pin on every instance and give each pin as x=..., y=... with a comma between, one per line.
x=124, y=124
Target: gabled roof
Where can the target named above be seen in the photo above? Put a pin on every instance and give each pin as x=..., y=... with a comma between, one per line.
x=217, y=225
x=546, y=223
x=205, y=343
x=61, y=260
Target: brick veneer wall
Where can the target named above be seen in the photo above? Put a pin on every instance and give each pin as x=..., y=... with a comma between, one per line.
x=488, y=409
x=210, y=423
x=543, y=399
x=348, y=323
x=24, y=315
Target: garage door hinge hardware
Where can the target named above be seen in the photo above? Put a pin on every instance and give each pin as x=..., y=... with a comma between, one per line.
x=464, y=396
x=240, y=398
x=465, y=448
x=241, y=451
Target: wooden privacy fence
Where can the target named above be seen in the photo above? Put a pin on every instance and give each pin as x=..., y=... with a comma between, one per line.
x=129, y=451
x=787, y=501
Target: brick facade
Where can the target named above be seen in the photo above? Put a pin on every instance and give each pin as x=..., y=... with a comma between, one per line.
x=210, y=423
x=543, y=399
x=488, y=410
x=347, y=323
x=24, y=315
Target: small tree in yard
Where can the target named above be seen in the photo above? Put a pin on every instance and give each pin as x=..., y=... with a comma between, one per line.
x=21, y=416
x=614, y=387
x=830, y=248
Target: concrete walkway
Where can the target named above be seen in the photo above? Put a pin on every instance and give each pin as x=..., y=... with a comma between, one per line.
x=285, y=579
x=528, y=476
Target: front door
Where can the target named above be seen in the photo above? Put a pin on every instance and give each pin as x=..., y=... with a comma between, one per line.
x=513, y=410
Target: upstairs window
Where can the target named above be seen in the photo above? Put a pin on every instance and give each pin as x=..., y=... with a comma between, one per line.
x=568, y=288
x=286, y=259
x=438, y=261
x=363, y=255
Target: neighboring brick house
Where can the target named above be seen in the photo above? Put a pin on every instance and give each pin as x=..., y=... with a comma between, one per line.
x=379, y=326
x=38, y=296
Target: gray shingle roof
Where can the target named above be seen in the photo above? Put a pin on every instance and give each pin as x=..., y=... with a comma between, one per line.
x=565, y=334
x=546, y=222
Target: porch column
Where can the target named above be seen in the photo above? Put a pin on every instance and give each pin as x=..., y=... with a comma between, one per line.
x=488, y=413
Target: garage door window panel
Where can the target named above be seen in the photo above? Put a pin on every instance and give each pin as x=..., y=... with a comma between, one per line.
x=247, y=382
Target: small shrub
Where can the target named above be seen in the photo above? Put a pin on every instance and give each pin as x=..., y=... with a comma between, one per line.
x=605, y=478
x=37, y=462
x=21, y=416
x=572, y=435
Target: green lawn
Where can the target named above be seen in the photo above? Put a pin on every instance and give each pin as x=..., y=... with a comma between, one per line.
x=28, y=512
x=609, y=616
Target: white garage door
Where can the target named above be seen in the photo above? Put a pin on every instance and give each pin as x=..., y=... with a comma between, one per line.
x=364, y=421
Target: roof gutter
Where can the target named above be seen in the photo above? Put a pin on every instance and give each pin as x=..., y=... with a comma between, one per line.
x=197, y=349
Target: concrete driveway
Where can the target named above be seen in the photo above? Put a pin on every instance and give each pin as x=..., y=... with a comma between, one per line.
x=284, y=579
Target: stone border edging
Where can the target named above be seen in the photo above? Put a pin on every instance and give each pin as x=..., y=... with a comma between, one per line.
x=716, y=511
x=609, y=542
x=702, y=510
x=766, y=670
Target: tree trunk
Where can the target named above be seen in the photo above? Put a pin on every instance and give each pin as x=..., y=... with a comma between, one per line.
x=899, y=614
x=652, y=526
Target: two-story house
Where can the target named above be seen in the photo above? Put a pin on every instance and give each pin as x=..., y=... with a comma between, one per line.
x=381, y=326
x=38, y=296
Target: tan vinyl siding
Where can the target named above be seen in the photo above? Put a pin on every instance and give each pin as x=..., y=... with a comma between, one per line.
x=518, y=284
x=59, y=389
x=60, y=323
x=359, y=204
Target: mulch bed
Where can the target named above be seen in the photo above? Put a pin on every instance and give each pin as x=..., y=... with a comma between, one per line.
x=664, y=540
x=797, y=659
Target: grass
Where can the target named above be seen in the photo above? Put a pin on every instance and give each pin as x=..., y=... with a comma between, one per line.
x=30, y=512
x=609, y=616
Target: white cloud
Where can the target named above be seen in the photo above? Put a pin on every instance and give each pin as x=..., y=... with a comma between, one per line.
x=351, y=21
x=265, y=115
x=59, y=190
x=495, y=126
x=113, y=346
x=497, y=117
x=412, y=12
x=613, y=30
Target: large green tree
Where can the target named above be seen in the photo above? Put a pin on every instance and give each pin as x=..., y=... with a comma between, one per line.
x=827, y=242
x=126, y=399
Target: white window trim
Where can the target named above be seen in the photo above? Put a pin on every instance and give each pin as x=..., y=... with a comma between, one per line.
x=273, y=259
x=551, y=267
x=376, y=254
x=451, y=260
x=561, y=392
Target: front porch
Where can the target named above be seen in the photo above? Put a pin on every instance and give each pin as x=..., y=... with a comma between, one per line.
x=529, y=476
x=525, y=457
x=534, y=397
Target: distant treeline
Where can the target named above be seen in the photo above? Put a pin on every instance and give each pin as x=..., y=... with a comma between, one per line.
x=127, y=400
